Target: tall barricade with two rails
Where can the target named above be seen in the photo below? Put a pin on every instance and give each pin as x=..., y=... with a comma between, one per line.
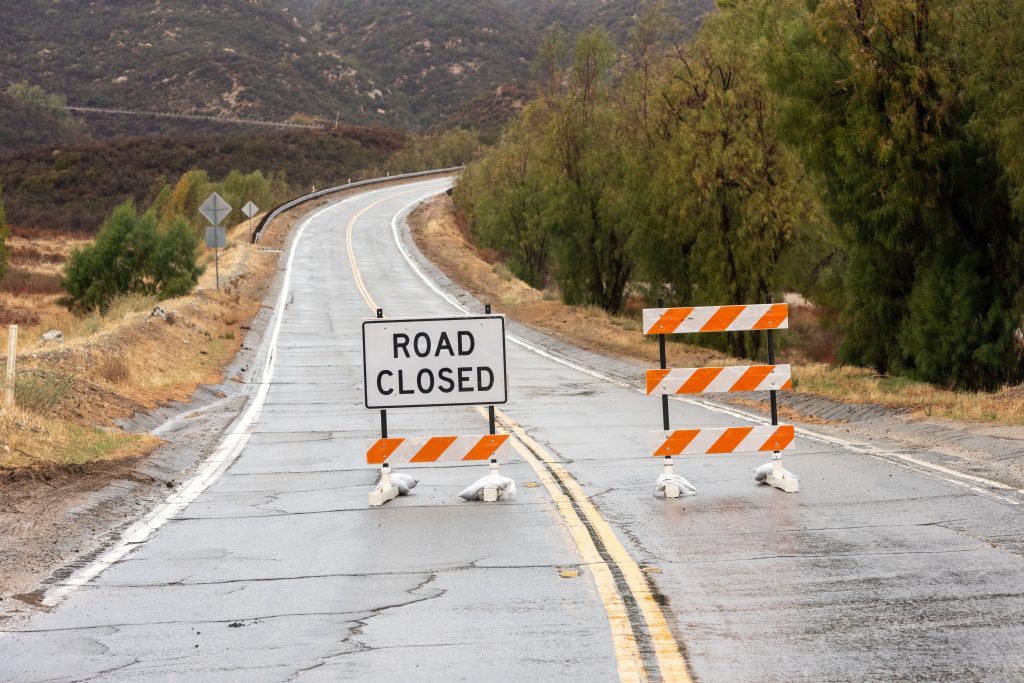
x=432, y=363
x=699, y=440
x=460, y=361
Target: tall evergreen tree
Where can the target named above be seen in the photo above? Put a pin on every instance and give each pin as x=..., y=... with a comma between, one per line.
x=875, y=103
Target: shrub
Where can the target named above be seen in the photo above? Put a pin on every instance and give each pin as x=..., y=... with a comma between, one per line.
x=132, y=254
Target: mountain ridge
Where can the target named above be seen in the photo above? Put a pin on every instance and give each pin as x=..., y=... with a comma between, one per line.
x=384, y=62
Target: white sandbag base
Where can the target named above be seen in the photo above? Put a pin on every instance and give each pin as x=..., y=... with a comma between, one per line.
x=390, y=486
x=672, y=485
x=491, y=487
x=773, y=474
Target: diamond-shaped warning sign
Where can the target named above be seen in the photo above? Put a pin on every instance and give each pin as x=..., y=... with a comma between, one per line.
x=215, y=209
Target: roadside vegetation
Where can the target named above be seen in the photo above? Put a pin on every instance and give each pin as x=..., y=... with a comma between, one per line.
x=442, y=233
x=116, y=359
x=120, y=354
x=865, y=156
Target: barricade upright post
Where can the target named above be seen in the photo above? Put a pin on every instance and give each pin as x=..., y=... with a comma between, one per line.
x=385, y=490
x=773, y=396
x=664, y=366
x=778, y=477
x=490, y=494
x=671, y=488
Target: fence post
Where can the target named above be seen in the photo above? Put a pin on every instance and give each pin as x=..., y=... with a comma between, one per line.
x=12, y=359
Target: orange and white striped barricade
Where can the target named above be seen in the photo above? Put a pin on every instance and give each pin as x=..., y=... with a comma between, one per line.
x=773, y=378
x=431, y=362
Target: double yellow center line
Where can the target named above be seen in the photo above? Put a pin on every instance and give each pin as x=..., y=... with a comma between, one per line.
x=645, y=647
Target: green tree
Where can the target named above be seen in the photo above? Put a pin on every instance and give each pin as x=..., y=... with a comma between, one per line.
x=172, y=269
x=589, y=210
x=188, y=194
x=35, y=96
x=724, y=198
x=453, y=147
x=504, y=195
x=875, y=102
x=132, y=254
x=266, y=191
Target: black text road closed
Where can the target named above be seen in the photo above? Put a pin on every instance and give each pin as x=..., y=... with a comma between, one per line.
x=415, y=362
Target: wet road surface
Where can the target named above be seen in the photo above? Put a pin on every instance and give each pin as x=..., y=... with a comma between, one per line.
x=274, y=568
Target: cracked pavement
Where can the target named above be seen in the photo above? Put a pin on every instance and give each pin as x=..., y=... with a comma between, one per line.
x=280, y=571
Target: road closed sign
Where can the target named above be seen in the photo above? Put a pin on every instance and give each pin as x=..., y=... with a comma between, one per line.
x=419, y=362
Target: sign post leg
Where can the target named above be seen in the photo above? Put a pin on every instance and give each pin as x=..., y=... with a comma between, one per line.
x=491, y=492
x=385, y=490
x=216, y=265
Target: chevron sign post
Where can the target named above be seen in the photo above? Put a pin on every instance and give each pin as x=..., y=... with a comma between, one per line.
x=665, y=382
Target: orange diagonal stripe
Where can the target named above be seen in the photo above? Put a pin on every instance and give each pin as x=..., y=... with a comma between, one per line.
x=782, y=437
x=382, y=450
x=752, y=378
x=670, y=320
x=699, y=380
x=787, y=385
x=775, y=316
x=728, y=442
x=433, y=449
x=722, y=318
x=486, y=447
x=654, y=378
x=677, y=442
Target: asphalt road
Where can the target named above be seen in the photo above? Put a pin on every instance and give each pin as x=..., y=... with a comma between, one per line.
x=269, y=565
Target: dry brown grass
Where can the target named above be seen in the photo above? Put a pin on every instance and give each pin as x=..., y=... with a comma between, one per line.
x=439, y=235
x=113, y=365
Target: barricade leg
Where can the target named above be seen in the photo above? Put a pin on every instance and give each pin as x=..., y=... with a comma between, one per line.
x=671, y=487
x=385, y=490
x=490, y=494
x=779, y=477
x=671, y=484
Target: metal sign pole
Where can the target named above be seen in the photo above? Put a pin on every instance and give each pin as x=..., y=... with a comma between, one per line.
x=383, y=413
x=216, y=262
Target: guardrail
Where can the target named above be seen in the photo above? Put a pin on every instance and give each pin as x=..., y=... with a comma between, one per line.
x=331, y=190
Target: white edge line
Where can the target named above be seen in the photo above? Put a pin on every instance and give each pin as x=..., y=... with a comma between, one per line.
x=953, y=476
x=227, y=451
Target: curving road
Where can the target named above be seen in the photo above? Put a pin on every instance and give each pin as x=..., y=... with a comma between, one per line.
x=268, y=564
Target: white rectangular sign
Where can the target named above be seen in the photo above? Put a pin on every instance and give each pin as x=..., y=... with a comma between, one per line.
x=216, y=237
x=419, y=362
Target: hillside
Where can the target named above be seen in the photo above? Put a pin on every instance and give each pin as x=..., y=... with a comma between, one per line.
x=380, y=62
x=73, y=189
x=431, y=59
x=243, y=57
